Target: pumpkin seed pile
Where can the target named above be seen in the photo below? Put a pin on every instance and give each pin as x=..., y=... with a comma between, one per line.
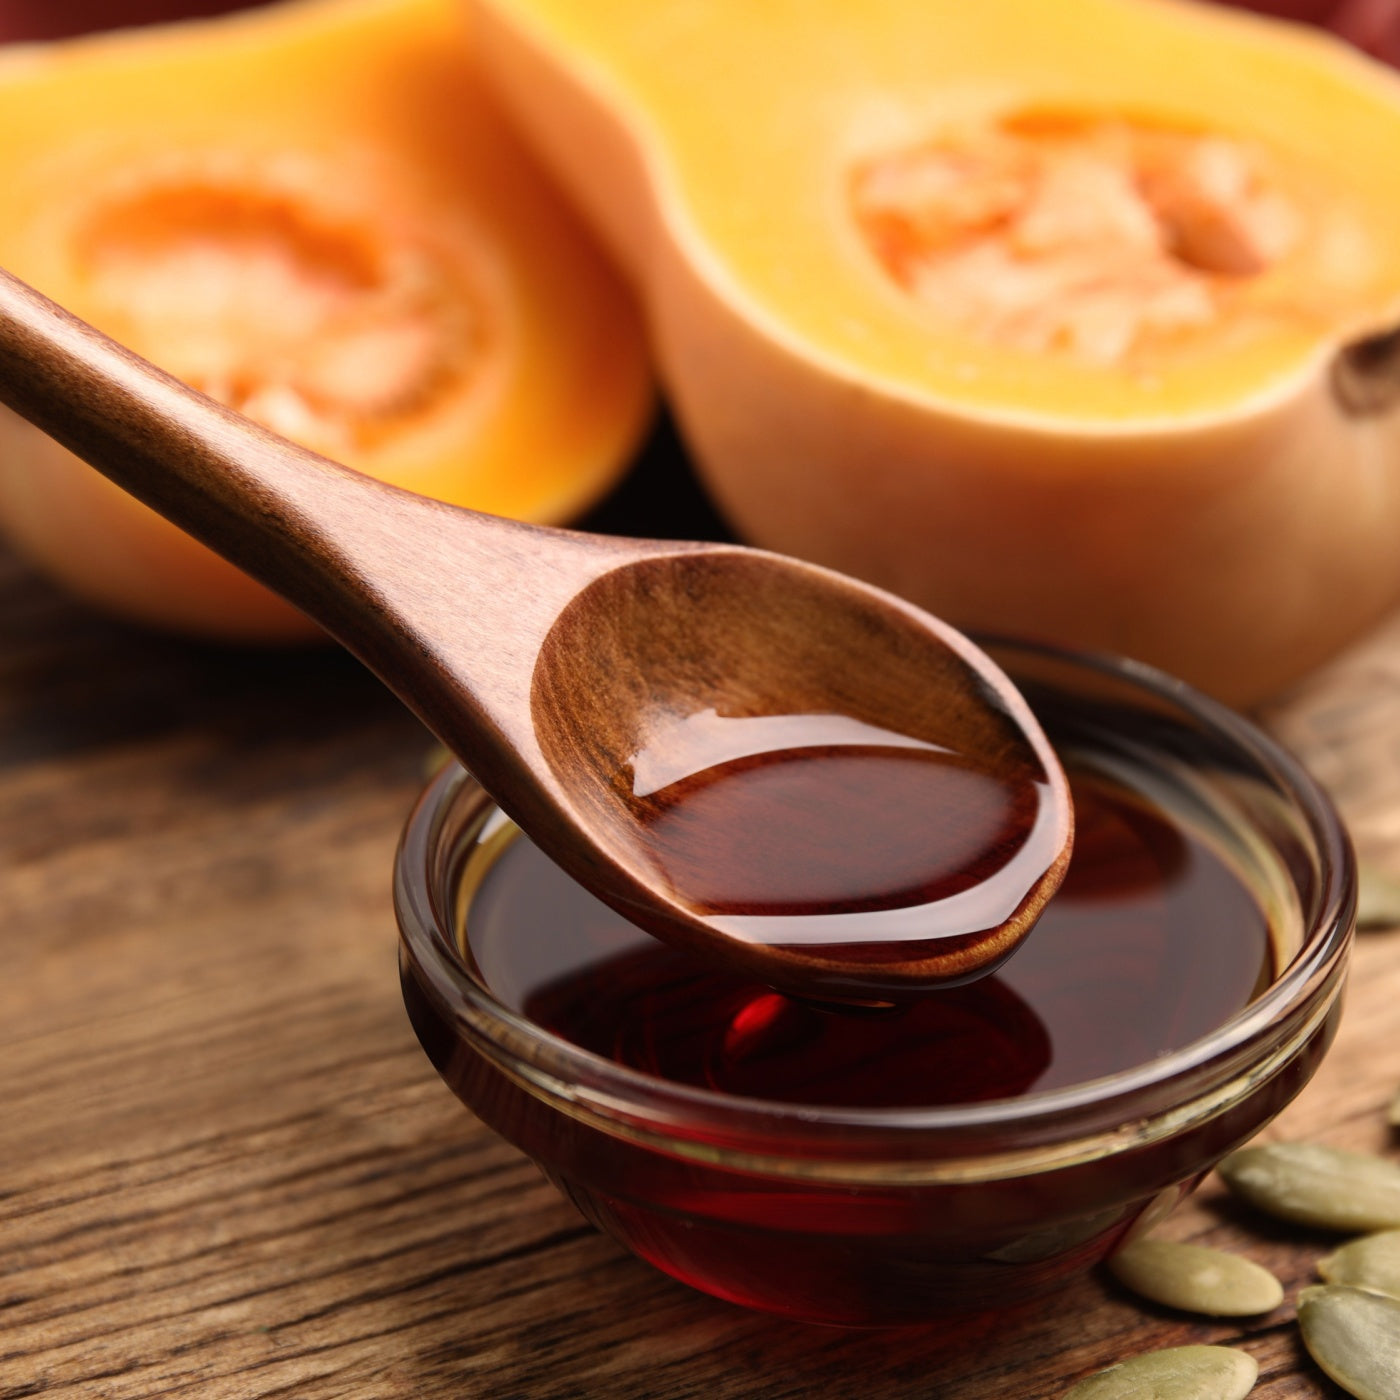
x=1350, y=1324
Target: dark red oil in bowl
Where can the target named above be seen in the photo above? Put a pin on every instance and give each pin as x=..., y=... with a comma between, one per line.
x=965, y=1150
x=1151, y=943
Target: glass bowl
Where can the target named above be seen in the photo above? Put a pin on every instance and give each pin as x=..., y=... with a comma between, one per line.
x=896, y=1215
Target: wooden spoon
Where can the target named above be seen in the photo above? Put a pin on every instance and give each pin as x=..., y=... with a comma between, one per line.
x=616, y=696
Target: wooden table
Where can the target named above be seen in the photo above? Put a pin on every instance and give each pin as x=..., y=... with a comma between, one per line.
x=226, y=1169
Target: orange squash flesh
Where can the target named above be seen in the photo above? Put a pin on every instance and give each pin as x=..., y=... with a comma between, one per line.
x=1103, y=240
x=314, y=213
x=1182, y=481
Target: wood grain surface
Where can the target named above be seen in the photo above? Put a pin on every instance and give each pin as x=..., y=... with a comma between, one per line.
x=226, y=1169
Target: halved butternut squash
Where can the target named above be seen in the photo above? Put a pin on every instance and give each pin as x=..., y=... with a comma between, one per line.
x=1074, y=320
x=314, y=213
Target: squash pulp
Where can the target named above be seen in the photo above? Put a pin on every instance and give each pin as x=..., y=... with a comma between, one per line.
x=1071, y=320
x=315, y=214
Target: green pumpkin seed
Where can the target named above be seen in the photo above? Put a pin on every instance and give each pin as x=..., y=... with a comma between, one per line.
x=1371, y=1262
x=1377, y=899
x=1196, y=1279
x=1179, y=1373
x=1315, y=1185
x=1354, y=1335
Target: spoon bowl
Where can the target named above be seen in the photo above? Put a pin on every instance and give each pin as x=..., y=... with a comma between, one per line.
x=665, y=720
x=673, y=678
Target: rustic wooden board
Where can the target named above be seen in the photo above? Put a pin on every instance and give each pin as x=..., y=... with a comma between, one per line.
x=227, y=1170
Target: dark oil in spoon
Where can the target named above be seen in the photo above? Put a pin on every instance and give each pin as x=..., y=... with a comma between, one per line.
x=750, y=820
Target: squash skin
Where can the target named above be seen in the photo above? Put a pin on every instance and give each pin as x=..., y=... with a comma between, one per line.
x=1237, y=546
x=371, y=114
x=1238, y=558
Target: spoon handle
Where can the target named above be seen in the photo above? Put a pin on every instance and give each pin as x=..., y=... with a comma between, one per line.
x=219, y=477
x=423, y=592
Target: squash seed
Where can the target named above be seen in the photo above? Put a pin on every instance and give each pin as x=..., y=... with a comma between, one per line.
x=1179, y=1373
x=1371, y=1262
x=1196, y=1279
x=1377, y=899
x=1315, y=1185
x=1392, y=1114
x=1354, y=1335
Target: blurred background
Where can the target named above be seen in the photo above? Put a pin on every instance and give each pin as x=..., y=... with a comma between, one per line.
x=1373, y=25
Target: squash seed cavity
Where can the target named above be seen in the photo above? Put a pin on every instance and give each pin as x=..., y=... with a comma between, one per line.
x=1196, y=1279
x=1179, y=1373
x=1094, y=237
x=335, y=335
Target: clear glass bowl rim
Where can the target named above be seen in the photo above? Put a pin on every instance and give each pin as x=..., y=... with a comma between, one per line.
x=1087, y=1119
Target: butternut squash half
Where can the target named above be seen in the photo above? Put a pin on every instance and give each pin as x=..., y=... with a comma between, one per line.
x=314, y=213
x=1072, y=319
